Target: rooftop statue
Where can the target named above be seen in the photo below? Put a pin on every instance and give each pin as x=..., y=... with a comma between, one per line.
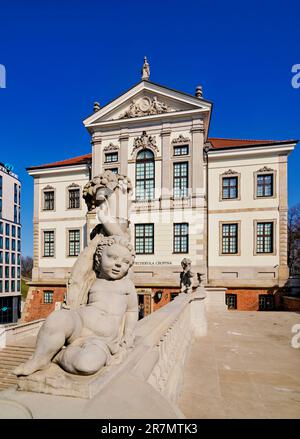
x=98, y=321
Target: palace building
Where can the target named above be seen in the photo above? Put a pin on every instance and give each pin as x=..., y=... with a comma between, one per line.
x=10, y=245
x=220, y=202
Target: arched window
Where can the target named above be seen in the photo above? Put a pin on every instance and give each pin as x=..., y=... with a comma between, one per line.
x=144, y=175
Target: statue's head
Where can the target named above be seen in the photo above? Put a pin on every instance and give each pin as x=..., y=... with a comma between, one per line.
x=102, y=186
x=113, y=257
x=186, y=263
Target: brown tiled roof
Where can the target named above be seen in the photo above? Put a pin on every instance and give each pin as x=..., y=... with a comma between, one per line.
x=217, y=143
x=86, y=158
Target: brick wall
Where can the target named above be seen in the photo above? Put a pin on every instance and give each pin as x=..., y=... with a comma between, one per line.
x=291, y=303
x=35, y=307
x=248, y=299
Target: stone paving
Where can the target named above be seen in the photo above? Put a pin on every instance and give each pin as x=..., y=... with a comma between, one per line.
x=244, y=368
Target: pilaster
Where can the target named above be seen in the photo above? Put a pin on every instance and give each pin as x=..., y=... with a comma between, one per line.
x=97, y=159
x=166, y=184
x=283, y=221
x=197, y=170
x=124, y=137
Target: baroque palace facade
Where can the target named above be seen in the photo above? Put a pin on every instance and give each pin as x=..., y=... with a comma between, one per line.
x=220, y=202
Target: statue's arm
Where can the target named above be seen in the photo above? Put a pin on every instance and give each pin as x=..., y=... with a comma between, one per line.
x=131, y=315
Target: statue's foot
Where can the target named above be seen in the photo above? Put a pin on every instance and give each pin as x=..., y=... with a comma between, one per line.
x=31, y=366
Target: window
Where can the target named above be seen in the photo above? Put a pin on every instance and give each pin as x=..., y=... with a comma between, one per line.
x=7, y=286
x=229, y=238
x=74, y=198
x=13, y=272
x=181, y=150
x=1, y=285
x=19, y=259
x=6, y=243
x=181, y=238
x=19, y=232
x=144, y=238
x=7, y=272
x=74, y=242
x=7, y=257
x=264, y=237
x=49, y=243
x=18, y=286
x=264, y=187
x=1, y=271
x=1, y=242
x=144, y=175
x=19, y=245
x=1, y=227
x=13, y=231
x=6, y=309
x=114, y=170
x=111, y=157
x=48, y=296
x=173, y=296
x=229, y=188
x=231, y=301
x=7, y=229
x=13, y=258
x=13, y=244
x=15, y=213
x=16, y=193
x=180, y=179
x=1, y=257
x=13, y=286
x=265, y=302
x=18, y=272
x=48, y=200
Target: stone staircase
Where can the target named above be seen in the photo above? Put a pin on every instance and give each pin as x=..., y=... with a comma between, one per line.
x=10, y=357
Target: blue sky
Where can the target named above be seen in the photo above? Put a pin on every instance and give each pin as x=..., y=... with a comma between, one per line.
x=61, y=56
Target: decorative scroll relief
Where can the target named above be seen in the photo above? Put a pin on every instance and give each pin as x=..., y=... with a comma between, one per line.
x=110, y=147
x=144, y=141
x=265, y=169
x=229, y=172
x=181, y=139
x=145, y=106
x=48, y=188
x=73, y=185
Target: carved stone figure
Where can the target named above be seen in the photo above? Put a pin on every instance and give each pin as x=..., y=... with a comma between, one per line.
x=97, y=323
x=189, y=281
x=145, y=70
x=145, y=106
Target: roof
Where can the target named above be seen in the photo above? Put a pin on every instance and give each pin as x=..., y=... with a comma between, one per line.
x=216, y=143
x=80, y=160
x=220, y=143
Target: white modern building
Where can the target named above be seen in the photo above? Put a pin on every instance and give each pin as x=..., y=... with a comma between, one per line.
x=220, y=202
x=10, y=246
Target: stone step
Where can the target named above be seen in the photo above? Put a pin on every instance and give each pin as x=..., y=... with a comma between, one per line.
x=10, y=357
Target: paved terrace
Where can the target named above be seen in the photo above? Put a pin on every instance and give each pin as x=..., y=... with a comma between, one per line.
x=244, y=368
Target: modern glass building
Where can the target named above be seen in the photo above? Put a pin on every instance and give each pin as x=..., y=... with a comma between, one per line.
x=10, y=245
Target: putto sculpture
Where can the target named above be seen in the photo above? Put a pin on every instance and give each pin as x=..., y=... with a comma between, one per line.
x=189, y=281
x=97, y=323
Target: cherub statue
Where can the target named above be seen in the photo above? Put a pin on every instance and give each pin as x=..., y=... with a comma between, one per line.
x=99, y=317
x=83, y=340
x=189, y=281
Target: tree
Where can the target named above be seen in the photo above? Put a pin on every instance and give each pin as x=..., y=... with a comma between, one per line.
x=27, y=265
x=294, y=239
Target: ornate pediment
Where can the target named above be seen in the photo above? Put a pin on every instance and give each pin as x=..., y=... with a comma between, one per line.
x=145, y=106
x=110, y=147
x=144, y=141
x=181, y=139
x=48, y=188
x=265, y=169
